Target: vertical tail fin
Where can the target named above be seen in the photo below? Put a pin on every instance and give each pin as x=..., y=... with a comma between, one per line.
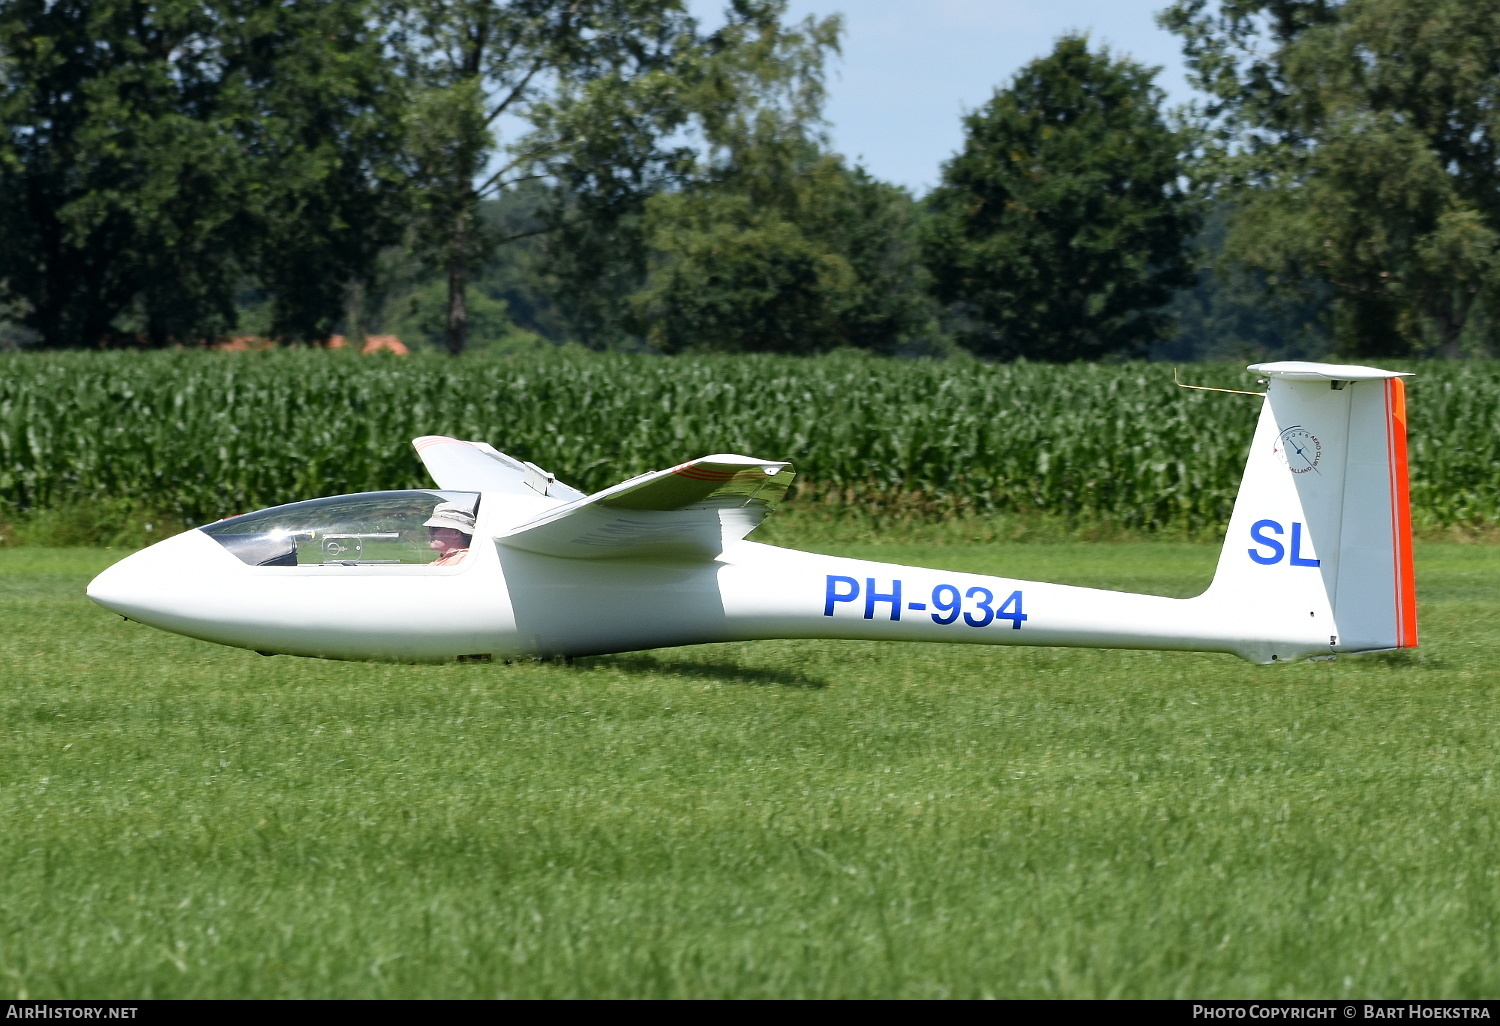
x=1318, y=554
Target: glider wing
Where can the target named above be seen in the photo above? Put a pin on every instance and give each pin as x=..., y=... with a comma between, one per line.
x=694, y=510
x=479, y=467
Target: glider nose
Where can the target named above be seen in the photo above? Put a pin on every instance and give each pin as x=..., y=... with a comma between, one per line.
x=160, y=583
x=119, y=588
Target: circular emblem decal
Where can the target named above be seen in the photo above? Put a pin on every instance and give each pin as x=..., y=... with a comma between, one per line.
x=1299, y=449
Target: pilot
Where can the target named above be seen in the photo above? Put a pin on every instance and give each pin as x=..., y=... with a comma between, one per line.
x=450, y=529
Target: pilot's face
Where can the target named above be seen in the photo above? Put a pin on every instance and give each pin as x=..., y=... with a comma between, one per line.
x=445, y=540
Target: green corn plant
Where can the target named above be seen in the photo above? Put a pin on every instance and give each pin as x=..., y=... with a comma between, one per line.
x=205, y=434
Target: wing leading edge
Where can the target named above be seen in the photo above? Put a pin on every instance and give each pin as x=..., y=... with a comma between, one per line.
x=694, y=509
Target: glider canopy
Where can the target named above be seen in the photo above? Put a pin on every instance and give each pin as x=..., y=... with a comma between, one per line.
x=341, y=530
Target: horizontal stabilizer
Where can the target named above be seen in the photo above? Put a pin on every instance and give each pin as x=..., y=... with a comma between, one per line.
x=478, y=467
x=1299, y=370
x=694, y=509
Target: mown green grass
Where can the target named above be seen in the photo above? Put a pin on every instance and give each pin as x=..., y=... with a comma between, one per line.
x=775, y=819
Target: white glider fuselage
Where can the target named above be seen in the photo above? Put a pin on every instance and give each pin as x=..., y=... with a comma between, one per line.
x=1317, y=560
x=505, y=603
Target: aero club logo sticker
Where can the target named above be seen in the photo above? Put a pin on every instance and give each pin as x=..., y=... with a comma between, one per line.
x=1299, y=450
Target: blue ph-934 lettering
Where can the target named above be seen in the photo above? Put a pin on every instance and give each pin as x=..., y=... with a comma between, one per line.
x=976, y=606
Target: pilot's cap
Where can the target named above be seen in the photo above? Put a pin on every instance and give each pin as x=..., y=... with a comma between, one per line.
x=451, y=514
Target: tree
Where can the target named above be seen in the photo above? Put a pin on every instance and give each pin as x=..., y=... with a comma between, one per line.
x=320, y=128
x=833, y=264
x=594, y=250
x=99, y=142
x=1357, y=140
x=769, y=243
x=154, y=153
x=1058, y=232
x=1232, y=312
x=590, y=85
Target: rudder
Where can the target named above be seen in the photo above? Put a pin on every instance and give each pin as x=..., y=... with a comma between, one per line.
x=1376, y=600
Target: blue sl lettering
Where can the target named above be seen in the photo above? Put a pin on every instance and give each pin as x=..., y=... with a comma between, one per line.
x=1274, y=551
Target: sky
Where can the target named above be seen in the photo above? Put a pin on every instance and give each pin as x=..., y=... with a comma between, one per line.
x=911, y=69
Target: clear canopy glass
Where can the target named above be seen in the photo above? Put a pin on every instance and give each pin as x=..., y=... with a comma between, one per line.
x=370, y=528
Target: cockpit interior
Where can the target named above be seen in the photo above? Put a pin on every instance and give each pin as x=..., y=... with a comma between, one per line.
x=366, y=529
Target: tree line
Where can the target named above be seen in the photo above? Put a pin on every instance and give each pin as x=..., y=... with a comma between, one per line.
x=614, y=174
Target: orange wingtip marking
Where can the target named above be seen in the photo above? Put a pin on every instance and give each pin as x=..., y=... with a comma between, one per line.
x=703, y=473
x=430, y=442
x=1406, y=582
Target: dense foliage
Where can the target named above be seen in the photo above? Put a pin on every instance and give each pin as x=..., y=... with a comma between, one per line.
x=770, y=243
x=825, y=262
x=592, y=88
x=631, y=174
x=154, y=156
x=203, y=436
x=1358, y=139
x=1059, y=231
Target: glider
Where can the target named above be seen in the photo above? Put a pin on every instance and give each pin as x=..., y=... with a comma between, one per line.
x=501, y=560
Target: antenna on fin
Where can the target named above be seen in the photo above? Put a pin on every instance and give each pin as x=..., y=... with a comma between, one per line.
x=1210, y=388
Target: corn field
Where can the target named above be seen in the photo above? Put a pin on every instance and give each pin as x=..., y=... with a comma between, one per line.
x=204, y=435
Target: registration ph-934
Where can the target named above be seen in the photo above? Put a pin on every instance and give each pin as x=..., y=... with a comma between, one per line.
x=946, y=604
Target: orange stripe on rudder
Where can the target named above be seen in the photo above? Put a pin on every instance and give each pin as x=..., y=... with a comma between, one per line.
x=1406, y=582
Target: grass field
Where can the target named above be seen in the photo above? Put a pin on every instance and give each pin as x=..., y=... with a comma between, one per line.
x=774, y=819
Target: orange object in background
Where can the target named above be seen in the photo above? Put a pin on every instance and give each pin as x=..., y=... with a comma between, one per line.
x=372, y=344
x=383, y=344
x=244, y=344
